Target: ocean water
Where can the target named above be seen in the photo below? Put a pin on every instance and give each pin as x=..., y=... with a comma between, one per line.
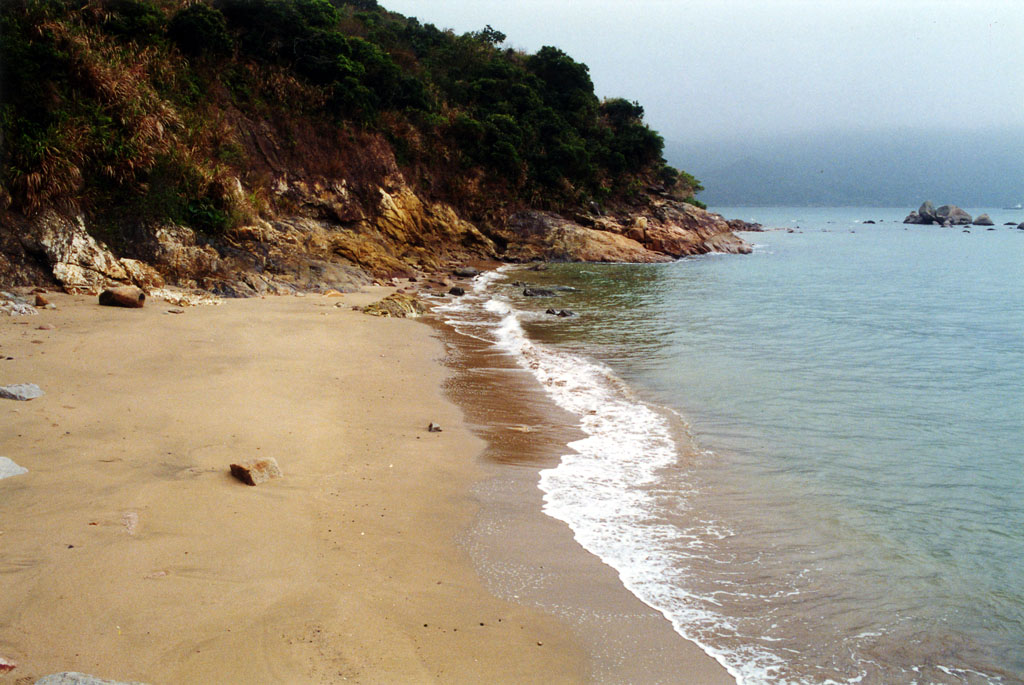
x=809, y=459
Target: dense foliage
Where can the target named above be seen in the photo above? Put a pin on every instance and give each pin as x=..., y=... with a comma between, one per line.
x=133, y=106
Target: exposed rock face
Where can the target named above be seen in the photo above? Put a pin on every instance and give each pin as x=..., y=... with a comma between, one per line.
x=665, y=231
x=336, y=237
x=76, y=259
x=983, y=220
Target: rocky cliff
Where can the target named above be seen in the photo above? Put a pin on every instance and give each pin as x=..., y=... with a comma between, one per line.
x=336, y=238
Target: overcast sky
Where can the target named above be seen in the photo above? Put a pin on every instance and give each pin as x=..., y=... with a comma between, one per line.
x=707, y=69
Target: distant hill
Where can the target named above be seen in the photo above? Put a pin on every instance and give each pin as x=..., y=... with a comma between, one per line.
x=880, y=168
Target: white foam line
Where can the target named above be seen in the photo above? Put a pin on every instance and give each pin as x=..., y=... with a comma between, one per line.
x=597, y=489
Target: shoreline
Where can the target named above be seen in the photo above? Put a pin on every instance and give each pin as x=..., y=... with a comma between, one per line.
x=130, y=553
x=529, y=557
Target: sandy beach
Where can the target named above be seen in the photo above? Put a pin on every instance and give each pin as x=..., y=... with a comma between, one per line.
x=129, y=552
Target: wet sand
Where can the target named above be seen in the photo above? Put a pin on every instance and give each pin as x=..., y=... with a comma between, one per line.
x=385, y=554
x=531, y=558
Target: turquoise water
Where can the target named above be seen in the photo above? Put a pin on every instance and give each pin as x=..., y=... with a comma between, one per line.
x=811, y=459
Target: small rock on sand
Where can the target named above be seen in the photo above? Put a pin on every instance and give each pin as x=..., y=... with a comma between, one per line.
x=256, y=471
x=8, y=468
x=433, y=428
x=73, y=678
x=21, y=391
x=7, y=665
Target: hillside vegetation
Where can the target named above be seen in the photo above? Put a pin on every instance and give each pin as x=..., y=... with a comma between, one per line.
x=142, y=111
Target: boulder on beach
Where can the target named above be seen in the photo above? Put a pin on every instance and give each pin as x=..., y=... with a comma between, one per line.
x=125, y=296
x=21, y=392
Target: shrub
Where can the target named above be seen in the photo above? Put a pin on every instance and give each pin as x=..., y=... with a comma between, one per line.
x=200, y=29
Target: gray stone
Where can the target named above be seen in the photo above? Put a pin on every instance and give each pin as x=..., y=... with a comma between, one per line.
x=914, y=218
x=457, y=291
x=73, y=678
x=953, y=214
x=1020, y=226
x=927, y=213
x=466, y=272
x=21, y=391
x=433, y=428
x=8, y=468
x=983, y=220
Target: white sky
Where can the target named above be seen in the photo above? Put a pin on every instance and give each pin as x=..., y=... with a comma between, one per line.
x=708, y=69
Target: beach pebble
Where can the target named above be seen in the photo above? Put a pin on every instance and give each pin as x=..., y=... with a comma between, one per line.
x=46, y=327
x=433, y=428
x=256, y=471
x=73, y=678
x=7, y=665
x=176, y=310
x=21, y=391
x=41, y=301
x=8, y=468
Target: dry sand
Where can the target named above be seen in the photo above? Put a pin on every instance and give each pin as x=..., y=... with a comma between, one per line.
x=129, y=552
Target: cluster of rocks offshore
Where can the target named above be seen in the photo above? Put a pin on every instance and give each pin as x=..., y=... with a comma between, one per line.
x=946, y=215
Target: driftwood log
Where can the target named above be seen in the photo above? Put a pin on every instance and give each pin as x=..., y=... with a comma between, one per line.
x=125, y=296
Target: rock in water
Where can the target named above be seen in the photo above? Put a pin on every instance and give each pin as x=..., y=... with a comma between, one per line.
x=72, y=678
x=21, y=391
x=953, y=214
x=927, y=213
x=983, y=220
x=457, y=291
x=256, y=471
x=126, y=296
x=538, y=292
x=7, y=469
x=466, y=272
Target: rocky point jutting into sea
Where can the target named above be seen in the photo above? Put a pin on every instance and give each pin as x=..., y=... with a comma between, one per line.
x=337, y=240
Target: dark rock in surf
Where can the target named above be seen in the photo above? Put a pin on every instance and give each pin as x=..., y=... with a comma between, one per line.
x=538, y=292
x=983, y=220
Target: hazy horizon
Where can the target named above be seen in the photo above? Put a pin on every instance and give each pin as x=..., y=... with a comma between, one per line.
x=779, y=85
x=712, y=69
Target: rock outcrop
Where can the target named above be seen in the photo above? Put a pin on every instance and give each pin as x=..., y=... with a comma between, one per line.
x=946, y=215
x=333, y=238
